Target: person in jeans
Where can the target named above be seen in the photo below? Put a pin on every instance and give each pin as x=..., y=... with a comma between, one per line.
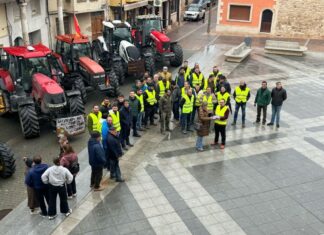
x=69, y=156
x=262, y=100
x=221, y=116
x=114, y=153
x=278, y=95
x=135, y=107
x=139, y=124
x=204, y=123
x=241, y=96
x=186, y=103
x=97, y=160
x=56, y=177
x=34, y=180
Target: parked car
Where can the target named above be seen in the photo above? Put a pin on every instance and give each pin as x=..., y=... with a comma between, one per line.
x=194, y=12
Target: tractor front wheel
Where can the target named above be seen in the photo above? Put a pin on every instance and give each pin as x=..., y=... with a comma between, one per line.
x=76, y=105
x=178, y=55
x=114, y=82
x=7, y=161
x=28, y=121
x=79, y=85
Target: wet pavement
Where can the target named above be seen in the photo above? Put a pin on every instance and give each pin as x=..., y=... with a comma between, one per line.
x=266, y=181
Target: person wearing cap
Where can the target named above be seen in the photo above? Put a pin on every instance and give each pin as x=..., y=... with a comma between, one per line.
x=135, y=107
x=126, y=123
x=241, y=96
x=114, y=114
x=175, y=98
x=204, y=118
x=140, y=97
x=222, y=81
x=150, y=102
x=221, y=112
x=186, y=103
x=105, y=107
x=181, y=78
x=97, y=160
x=166, y=74
x=94, y=119
x=165, y=110
x=115, y=153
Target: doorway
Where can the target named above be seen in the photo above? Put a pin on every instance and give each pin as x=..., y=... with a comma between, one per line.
x=266, y=21
x=96, y=24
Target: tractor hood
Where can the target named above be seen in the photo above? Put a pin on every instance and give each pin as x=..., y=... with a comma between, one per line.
x=160, y=36
x=47, y=90
x=91, y=66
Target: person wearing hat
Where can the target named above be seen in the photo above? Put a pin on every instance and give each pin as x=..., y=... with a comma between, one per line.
x=150, y=102
x=97, y=160
x=166, y=74
x=204, y=118
x=114, y=154
x=126, y=123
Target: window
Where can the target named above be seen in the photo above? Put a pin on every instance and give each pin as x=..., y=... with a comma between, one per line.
x=35, y=7
x=66, y=25
x=241, y=13
x=81, y=0
x=173, y=6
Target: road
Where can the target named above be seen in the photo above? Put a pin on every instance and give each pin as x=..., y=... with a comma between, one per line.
x=191, y=36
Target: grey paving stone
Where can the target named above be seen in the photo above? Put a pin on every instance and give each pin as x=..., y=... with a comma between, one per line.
x=314, y=142
x=315, y=129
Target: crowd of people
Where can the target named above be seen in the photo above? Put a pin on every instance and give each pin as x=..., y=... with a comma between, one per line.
x=195, y=101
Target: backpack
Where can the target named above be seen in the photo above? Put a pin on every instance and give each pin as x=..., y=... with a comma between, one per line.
x=74, y=167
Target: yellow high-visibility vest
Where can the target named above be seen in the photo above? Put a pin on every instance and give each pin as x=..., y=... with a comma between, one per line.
x=187, y=73
x=221, y=112
x=115, y=119
x=197, y=79
x=216, y=76
x=197, y=102
x=96, y=121
x=210, y=105
x=151, y=99
x=141, y=100
x=188, y=105
x=241, y=95
x=224, y=96
x=163, y=87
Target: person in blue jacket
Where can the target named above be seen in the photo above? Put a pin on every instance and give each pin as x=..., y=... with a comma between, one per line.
x=97, y=160
x=34, y=180
x=106, y=125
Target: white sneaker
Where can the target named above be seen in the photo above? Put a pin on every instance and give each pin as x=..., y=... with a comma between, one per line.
x=69, y=197
x=52, y=217
x=74, y=195
x=68, y=213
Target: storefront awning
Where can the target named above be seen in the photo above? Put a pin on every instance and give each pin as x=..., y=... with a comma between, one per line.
x=135, y=5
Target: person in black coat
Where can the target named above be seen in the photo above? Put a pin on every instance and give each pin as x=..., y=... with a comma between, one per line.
x=278, y=96
x=97, y=160
x=125, y=123
x=114, y=153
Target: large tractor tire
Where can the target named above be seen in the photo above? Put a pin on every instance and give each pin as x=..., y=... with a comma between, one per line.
x=28, y=121
x=97, y=50
x=149, y=63
x=178, y=58
x=120, y=73
x=114, y=82
x=7, y=161
x=76, y=105
x=79, y=85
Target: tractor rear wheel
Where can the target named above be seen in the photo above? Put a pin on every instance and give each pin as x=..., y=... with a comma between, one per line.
x=149, y=65
x=120, y=73
x=97, y=50
x=7, y=161
x=178, y=55
x=28, y=121
x=79, y=85
x=114, y=82
x=76, y=105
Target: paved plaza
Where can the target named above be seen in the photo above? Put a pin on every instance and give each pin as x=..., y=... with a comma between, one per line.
x=266, y=181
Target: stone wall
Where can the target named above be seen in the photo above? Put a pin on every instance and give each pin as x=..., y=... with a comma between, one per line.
x=300, y=18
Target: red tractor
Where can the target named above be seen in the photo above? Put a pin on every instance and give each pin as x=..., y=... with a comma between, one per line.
x=30, y=86
x=150, y=38
x=74, y=52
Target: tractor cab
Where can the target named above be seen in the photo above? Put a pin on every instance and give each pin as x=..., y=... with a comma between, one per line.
x=145, y=24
